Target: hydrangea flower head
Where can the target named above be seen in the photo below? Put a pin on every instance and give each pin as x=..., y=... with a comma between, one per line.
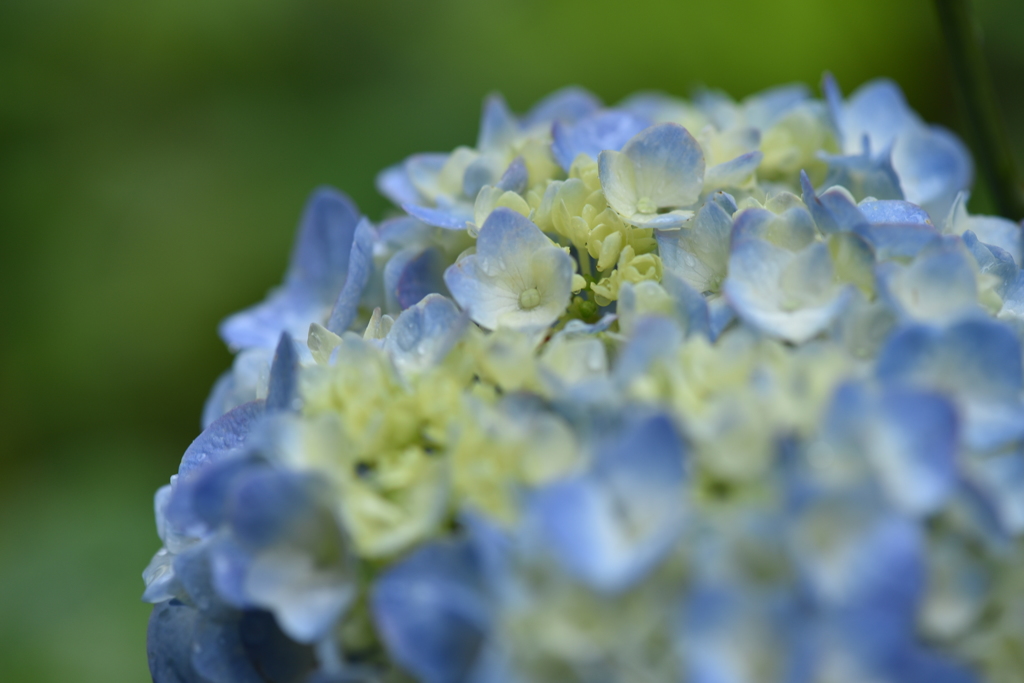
x=672, y=390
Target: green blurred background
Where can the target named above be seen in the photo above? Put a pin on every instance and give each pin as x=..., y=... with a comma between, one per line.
x=154, y=158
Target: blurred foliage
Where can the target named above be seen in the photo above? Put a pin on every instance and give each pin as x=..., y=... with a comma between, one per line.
x=154, y=158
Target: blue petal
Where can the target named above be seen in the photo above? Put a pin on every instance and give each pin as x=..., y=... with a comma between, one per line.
x=898, y=240
x=424, y=173
x=933, y=166
x=290, y=556
x=654, y=338
x=359, y=269
x=878, y=111
x=454, y=217
x=611, y=526
x=1001, y=477
x=511, y=253
x=755, y=290
x=169, y=643
x=221, y=398
x=939, y=285
x=762, y=110
x=917, y=665
x=225, y=436
x=653, y=106
x=421, y=276
x=430, y=613
x=402, y=231
x=734, y=172
x=278, y=658
x=592, y=135
x=699, y=254
x=193, y=571
x=720, y=316
x=219, y=655
x=916, y=448
x=1013, y=299
x=578, y=327
x=691, y=306
x=998, y=232
x=976, y=358
x=909, y=436
x=241, y=384
x=260, y=326
x=393, y=182
x=515, y=177
x=199, y=503
x=866, y=567
x=864, y=176
x=992, y=261
x=893, y=211
x=663, y=166
x=832, y=211
x=283, y=390
x=566, y=105
x=319, y=261
x=498, y=126
x=731, y=634
x=267, y=506
x=792, y=230
x=485, y=170
x=423, y=335
x=394, y=270
x=508, y=233
x=318, y=268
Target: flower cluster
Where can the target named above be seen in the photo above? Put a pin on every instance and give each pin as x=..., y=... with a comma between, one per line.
x=704, y=391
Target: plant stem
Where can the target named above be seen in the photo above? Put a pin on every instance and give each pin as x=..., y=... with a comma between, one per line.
x=963, y=39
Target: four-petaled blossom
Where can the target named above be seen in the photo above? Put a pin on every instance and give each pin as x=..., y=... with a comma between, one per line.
x=661, y=167
x=517, y=277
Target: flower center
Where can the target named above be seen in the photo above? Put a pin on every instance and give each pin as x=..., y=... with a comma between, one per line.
x=529, y=299
x=646, y=205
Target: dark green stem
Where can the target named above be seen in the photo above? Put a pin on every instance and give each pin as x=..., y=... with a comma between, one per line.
x=991, y=147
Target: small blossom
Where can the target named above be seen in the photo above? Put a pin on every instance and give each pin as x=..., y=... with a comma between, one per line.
x=517, y=277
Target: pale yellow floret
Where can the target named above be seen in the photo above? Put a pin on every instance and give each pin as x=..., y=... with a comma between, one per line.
x=494, y=455
x=630, y=268
x=794, y=144
x=737, y=397
x=489, y=199
x=381, y=440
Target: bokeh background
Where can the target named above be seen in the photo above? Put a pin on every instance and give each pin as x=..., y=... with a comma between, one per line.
x=155, y=156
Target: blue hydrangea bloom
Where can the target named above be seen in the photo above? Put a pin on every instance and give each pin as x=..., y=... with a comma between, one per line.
x=672, y=390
